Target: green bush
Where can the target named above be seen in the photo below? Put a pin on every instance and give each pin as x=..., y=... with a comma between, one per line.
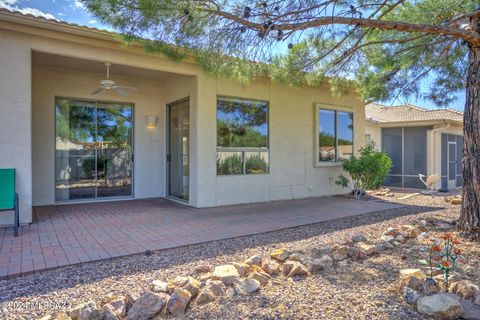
x=367, y=171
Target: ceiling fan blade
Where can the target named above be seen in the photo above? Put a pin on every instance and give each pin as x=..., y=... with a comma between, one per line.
x=128, y=88
x=97, y=91
x=120, y=91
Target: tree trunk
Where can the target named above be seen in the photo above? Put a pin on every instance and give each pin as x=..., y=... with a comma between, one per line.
x=469, y=223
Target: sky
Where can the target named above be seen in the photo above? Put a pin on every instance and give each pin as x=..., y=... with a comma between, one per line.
x=73, y=11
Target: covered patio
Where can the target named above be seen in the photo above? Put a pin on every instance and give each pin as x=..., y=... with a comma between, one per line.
x=63, y=235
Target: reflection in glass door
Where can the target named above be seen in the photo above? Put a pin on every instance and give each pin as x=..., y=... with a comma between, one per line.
x=93, y=153
x=178, y=149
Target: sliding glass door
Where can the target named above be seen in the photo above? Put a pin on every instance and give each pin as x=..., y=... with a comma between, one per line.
x=94, y=152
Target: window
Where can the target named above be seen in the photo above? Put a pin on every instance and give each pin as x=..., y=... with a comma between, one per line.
x=335, y=135
x=242, y=136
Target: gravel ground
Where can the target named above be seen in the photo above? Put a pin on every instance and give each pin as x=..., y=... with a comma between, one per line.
x=357, y=290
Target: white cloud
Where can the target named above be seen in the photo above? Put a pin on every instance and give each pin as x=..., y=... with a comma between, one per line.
x=92, y=21
x=8, y=4
x=78, y=4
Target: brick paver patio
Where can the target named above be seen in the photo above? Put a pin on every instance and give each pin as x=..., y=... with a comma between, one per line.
x=76, y=233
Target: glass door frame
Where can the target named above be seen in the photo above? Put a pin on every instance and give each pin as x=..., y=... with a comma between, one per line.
x=132, y=174
x=168, y=156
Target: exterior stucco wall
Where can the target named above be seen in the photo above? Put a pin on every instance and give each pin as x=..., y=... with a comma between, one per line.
x=15, y=120
x=292, y=128
x=291, y=134
x=375, y=133
x=49, y=83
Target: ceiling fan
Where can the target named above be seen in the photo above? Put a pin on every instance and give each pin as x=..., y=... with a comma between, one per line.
x=108, y=84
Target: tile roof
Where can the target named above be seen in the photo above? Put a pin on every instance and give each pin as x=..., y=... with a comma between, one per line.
x=403, y=113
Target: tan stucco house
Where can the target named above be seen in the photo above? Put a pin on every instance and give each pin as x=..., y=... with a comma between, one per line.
x=419, y=141
x=173, y=131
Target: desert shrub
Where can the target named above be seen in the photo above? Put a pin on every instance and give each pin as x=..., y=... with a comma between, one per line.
x=367, y=171
x=256, y=165
x=230, y=165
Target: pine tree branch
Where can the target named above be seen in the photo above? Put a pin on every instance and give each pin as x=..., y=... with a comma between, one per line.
x=469, y=36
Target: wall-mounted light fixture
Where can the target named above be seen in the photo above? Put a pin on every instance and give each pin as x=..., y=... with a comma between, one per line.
x=151, y=121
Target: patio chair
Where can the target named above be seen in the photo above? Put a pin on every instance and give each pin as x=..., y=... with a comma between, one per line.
x=8, y=196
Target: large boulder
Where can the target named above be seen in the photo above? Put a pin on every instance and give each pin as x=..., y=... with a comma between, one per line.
x=471, y=311
x=226, y=273
x=280, y=254
x=147, y=306
x=245, y=286
x=429, y=287
x=440, y=306
x=179, y=301
x=82, y=311
x=205, y=296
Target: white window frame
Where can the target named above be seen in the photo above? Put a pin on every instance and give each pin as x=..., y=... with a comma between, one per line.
x=336, y=108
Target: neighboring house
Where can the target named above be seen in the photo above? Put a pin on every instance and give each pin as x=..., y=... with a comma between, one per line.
x=419, y=141
x=182, y=134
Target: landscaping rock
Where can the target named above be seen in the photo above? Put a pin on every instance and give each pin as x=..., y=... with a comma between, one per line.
x=339, y=253
x=280, y=254
x=465, y=289
x=411, y=296
x=226, y=273
x=388, y=245
x=82, y=311
x=179, y=301
x=359, y=238
x=380, y=247
x=192, y=285
x=326, y=261
x=471, y=311
x=261, y=277
x=118, y=307
x=300, y=257
x=412, y=278
x=217, y=287
x=254, y=260
x=369, y=249
x=387, y=238
x=410, y=231
x=315, y=252
x=271, y=267
x=314, y=265
x=203, y=268
x=246, y=286
x=298, y=269
x=355, y=253
x=243, y=269
x=147, y=306
x=107, y=313
x=391, y=231
x=205, y=296
x=400, y=238
x=440, y=306
x=429, y=287
x=159, y=286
